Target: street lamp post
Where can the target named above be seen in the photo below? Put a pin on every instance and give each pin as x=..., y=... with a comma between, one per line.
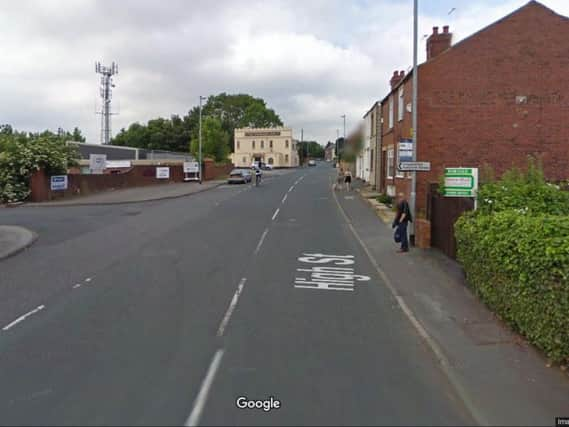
x=414, y=118
x=200, y=138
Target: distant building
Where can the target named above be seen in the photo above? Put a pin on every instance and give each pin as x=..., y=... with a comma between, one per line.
x=273, y=146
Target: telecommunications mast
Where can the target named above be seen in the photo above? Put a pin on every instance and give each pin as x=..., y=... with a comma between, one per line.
x=106, y=86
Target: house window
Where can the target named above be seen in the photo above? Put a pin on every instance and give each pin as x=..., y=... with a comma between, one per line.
x=286, y=143
x=271, y=144
x=244, y=160
x=400, y=106
x=390, y=112
x=371, y=132
x=371, y=161
x=286, y=157
x=262, y=144
x=253, y=145
x=390, y=163
x=271, y=161
x=238, y=145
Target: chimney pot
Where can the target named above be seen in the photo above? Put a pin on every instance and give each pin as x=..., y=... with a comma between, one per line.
x=435, y=30
x=445, y=29
x=395, y=73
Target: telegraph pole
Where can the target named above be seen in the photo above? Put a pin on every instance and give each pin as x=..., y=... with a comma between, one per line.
x=105, y=91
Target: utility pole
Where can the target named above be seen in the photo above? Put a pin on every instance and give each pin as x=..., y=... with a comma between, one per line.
x=105, y=91
x=302, y=146
x=344, y=117
x=412, y=203
x=200, y=137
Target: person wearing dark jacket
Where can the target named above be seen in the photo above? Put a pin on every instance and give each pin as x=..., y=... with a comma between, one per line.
x=402, y=218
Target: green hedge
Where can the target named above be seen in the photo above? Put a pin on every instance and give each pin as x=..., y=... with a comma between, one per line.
x=518, y=263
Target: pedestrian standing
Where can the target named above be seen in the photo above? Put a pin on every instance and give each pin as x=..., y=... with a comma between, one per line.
x=339, y=179
x=348, y=179
x=402, y=218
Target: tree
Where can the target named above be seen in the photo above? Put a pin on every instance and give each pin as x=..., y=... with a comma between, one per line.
x=215, y=140
x=77, y=135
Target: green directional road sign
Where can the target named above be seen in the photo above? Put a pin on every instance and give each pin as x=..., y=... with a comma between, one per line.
x=461, y=182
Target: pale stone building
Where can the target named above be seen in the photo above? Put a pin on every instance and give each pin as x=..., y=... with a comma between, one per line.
x=273, y=146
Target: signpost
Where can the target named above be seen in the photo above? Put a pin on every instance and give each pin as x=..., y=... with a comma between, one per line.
x=415, y=166
x=58, y=183
x=405, y=150
x=162, y=173
x=191, y=168
x=97, y=163
x=461, y=182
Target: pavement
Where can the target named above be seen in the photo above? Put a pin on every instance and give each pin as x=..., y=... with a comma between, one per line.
x=174, y=312
x=14, y=239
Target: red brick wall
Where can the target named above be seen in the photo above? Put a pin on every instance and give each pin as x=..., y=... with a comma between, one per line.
x=212, y=170
x=468, y=113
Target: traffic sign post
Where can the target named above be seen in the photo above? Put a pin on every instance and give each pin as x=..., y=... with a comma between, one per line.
x=414, y=166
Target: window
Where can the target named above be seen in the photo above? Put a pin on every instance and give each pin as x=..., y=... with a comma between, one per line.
x=400, y=105
x=262, y=144
x=271, y=144
x=286, y=143
x=238, y=145
x=244, y=160
x=286, y=156
x=390, y=112
x=253, y=145
x=390, y=163
x=271, y=161
x=371, y=132
x=371, y=161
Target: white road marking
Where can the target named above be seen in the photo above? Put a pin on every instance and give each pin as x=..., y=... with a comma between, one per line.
x=24, y=317
x=276, y=213
x=88, y=279
x=284, y=198
x=231, y=307
x=77, y=285
x=200, y=401
x=258, y=248
x=292, y=188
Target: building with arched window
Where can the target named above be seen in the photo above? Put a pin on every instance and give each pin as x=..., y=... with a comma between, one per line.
x=273, y=146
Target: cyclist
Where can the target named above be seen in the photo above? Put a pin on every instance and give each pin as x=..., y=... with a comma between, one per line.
x=258, y=174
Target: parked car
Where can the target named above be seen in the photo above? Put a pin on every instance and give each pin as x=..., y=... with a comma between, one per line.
x=312, y=163
x=267, y=167
x=239, y=176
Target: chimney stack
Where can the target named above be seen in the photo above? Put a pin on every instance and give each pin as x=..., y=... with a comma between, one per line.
x=396, y=78
x=438, y=42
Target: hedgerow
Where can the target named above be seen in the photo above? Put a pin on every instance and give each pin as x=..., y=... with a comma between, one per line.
x=515, y=252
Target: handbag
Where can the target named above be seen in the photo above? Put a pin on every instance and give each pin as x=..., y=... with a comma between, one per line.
x=397, y=235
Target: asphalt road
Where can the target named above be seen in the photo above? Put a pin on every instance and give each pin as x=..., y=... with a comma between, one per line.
x=168, y=312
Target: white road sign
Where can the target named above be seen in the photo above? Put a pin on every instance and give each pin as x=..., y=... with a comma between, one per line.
x=163, y=173
x=97, y=163
x=415, y=166
x=191, y=167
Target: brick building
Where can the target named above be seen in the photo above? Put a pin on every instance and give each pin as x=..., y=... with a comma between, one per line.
x=494, y=98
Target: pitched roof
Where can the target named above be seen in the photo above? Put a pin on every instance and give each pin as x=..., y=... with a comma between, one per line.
x=530, y=4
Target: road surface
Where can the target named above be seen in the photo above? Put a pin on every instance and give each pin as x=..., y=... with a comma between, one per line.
x=168, y=312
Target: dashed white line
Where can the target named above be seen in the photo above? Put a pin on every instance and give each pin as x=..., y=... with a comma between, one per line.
x=200, y=401
x=284, y=198
x=258, y=248
x=77, y=285
x=88, y=279
x=291, y=188
x=24, y=317
x=231, y=307
x=276, y=213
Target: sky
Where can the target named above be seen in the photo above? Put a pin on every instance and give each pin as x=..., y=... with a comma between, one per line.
x=311, y=60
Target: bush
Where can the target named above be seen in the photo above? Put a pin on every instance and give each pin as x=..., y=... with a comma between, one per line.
x=385, y=198
x=21, y=155
x=515, y=252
